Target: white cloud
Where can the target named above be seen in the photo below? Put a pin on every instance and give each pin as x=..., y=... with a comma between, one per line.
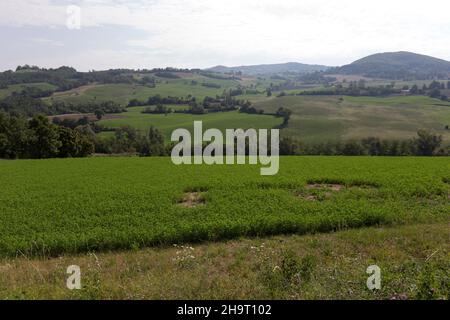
x=47, y=42
x=200, y=33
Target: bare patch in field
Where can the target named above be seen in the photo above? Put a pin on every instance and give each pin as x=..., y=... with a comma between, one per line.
x=317, y=191
x=192, y=200
x=308, y=197
x=76, y=91
x=319, y=186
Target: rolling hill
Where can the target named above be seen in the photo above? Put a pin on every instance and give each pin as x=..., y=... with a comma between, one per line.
x=398, y=66
x=264, y=69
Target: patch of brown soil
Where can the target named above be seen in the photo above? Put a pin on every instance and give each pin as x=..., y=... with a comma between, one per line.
x=310, y=197
x=110, y=116
x=192, y=200
x=319, y=186
x=328, y=187
x=76, y=91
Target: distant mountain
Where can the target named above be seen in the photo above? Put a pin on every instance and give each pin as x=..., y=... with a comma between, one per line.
x=398, y=66
x=264, y=69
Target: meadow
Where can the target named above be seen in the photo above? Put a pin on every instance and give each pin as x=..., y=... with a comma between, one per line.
x=315, y=119
x=168, y=123
x=17, y=88
x=123, y=93
x=413, y=259
x=329, y=118
x=67, y=206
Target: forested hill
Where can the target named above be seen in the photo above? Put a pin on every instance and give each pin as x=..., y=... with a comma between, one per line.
x=398, y=66
x=66, y=78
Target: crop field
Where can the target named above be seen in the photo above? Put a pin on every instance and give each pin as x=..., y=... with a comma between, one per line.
x=52, y=207
x=315, y=118
x=168, y=123
x=19, y=87
x=325, y=118
x=123, y=93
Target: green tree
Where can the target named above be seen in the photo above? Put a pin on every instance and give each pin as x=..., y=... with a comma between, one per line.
x=427, y=142
x=353, y=148
x=435, y=93
x=99, y=114
x=126, y=139
x=14, y=135
x=156, y=142
x=70, y=142
x=289, y=146
x=285, y=114
x=372, y=145
x=75, y=143
x=44, y=138
x=87, y=146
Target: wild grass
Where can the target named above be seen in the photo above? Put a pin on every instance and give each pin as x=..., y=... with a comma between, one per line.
x=413, y=260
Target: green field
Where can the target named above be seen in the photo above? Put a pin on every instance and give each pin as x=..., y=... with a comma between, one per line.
x=326, y=118
x=167, y=124
x=315, y=119
x=123, y=93
x=51, y=207
x=19, y=87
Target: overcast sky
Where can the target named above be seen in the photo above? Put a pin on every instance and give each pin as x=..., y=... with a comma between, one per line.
x=204, y=33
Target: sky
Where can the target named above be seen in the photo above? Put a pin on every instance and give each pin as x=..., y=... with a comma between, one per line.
x=104, y=34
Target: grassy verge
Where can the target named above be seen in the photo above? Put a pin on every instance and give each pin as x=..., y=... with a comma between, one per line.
x=414, y=262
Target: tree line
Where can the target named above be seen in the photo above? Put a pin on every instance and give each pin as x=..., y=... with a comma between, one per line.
x=425, y=144
x=18, y=104
x=66, y=78
x=222, y=103
x=158, y=100
x=359, y=88
x=38, y=138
